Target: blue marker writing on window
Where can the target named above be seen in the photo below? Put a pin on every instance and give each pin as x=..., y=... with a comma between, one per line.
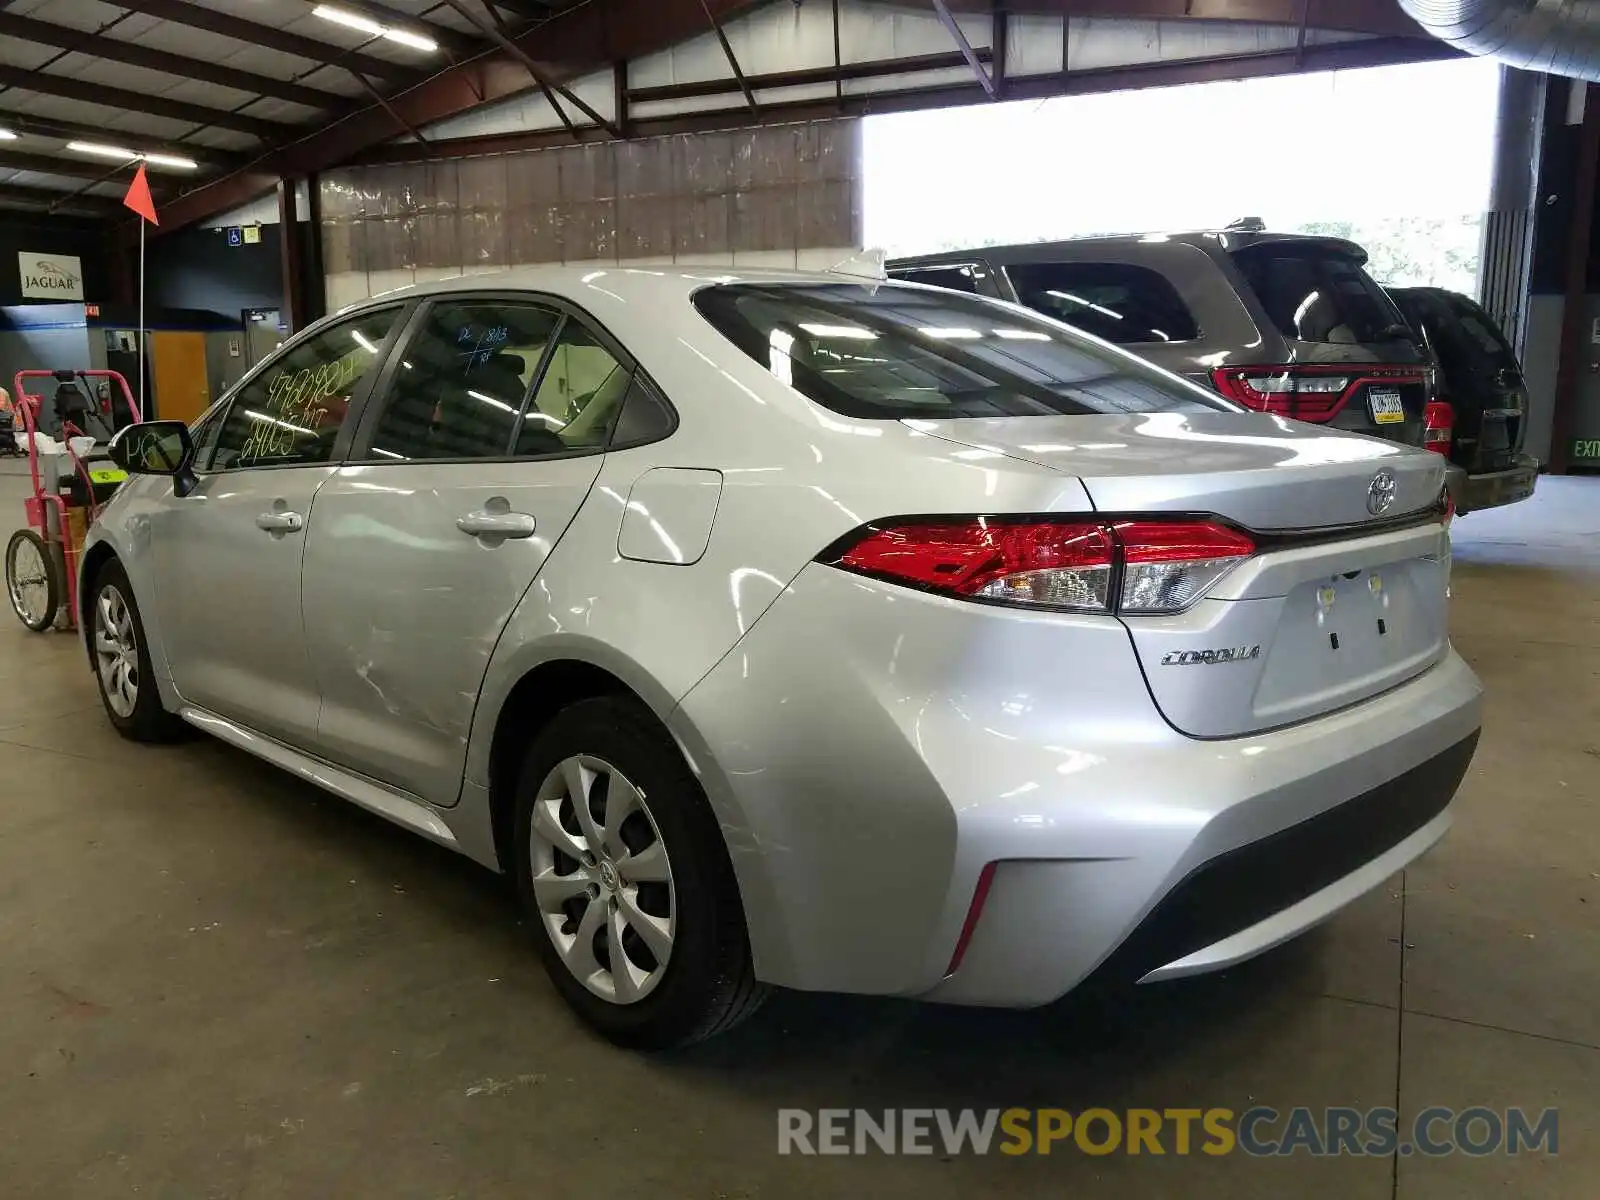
x=483, y=344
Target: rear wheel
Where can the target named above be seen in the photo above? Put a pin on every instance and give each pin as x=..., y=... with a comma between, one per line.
x=122, y=661
x=625, y=877
x=32, y=581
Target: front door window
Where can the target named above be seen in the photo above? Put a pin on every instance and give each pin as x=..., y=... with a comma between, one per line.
x=291, y=413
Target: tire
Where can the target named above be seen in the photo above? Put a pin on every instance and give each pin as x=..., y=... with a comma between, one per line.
x=706, y=983
x=113, y=620
x=35, y=610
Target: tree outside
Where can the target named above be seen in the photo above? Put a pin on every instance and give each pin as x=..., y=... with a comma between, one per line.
x=1414, y=251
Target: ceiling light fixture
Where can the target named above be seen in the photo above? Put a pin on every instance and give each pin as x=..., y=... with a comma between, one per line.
x=123, y=154
x=415, y=40
x=7, y=136
x=169, y=160
x=373, y=28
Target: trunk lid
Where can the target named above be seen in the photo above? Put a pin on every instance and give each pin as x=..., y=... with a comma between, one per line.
x=1259, y=471
x=1339, y=603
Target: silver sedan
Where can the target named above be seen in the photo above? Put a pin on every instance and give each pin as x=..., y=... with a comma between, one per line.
x=801, y=630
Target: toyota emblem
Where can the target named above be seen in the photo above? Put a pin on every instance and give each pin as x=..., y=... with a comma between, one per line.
x=1380, y=493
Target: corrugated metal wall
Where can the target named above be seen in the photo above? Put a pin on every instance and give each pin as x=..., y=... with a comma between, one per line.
x=784, y=195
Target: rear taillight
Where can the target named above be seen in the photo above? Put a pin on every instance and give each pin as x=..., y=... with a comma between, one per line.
x=1168, y=566
x=1126, y=566
x=1438, y=426
x=1306, y=391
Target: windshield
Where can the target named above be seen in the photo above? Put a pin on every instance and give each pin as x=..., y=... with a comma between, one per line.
x=1315, y=294
x=891, y=352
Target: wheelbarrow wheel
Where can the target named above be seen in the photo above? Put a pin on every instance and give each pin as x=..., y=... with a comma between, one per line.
x=32, y=581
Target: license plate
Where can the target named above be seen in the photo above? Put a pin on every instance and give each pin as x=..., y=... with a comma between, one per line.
x=1387, y=407
x=107, y=474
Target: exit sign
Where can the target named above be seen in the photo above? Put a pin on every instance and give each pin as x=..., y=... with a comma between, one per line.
x=1586, y=450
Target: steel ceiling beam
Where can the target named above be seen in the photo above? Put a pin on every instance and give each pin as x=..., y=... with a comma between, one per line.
x=253, y=32
x=544, y=88
x=405, y=126
x=594, y=36
x=590, y=37
x=530, y=10
x=808, y=75
x=67, y=168
x=549, y=95
x=541, y=75
x=1378, y=17
x=1252, y=65
x=43, y=33
x=733, y=61
x=155, y=106
x=451, y=41
x=97, y=206
x=985, y=80
x=67, y=131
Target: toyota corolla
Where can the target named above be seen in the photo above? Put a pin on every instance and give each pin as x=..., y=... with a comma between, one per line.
x=802, y=630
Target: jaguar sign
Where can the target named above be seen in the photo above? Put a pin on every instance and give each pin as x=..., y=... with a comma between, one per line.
x=50, y=276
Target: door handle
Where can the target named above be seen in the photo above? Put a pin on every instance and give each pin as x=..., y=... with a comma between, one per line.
x=280, y=522
x=484, y=523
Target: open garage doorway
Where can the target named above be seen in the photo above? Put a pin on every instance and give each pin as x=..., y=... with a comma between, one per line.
x=1395, y=158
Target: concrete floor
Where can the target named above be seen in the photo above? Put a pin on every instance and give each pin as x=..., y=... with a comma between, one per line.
x=215, y=981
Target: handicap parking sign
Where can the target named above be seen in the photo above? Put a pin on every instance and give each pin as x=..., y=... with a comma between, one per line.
x=235, y=236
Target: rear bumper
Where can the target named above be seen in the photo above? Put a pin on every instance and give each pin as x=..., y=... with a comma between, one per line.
x=1491, y=490
x=1252, y=898
x=869, y=751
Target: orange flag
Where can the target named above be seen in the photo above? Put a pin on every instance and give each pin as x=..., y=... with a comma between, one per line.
x=138, y=197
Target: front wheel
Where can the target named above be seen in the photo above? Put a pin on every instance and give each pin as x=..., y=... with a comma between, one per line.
x=625, y=877
x=122, y=661
x=32, y=581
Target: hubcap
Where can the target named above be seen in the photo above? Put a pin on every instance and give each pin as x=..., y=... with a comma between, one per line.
x=28, y=582
x=116, y=651
x=601, y=879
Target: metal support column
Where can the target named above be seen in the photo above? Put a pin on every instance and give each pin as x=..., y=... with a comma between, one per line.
x=293, y=312
x=1506, y=247
x=1575, y=332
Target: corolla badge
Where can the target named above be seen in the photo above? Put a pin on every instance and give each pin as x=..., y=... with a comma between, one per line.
x=1380, y=493
x=1209, y=658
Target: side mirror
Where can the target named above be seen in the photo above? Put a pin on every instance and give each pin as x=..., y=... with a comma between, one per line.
x=156, y=448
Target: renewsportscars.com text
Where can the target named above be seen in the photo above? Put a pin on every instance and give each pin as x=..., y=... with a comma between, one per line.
x=1260, y=1132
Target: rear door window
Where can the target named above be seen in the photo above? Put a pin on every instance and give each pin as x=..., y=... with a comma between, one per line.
x=893, y=352
x=463, y=380
x=577, y=399
x=1119, y=302
x=1314, y=293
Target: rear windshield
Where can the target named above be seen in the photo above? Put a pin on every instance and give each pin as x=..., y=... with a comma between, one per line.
x=1486, y=336
x=1314, y=294
x=892, y=352
x=1463, y=335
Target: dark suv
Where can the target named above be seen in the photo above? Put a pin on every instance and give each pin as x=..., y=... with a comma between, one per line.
x=1480, y=378
x=1282, y=323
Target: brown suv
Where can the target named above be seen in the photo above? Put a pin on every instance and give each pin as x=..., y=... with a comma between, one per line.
x=1282, y=323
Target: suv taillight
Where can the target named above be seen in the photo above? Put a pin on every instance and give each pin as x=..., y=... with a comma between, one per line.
x=1438, y=426
x=1306, y=391
x=1126, y=566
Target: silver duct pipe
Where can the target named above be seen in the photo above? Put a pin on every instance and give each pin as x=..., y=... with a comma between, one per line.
x=1559, y=37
